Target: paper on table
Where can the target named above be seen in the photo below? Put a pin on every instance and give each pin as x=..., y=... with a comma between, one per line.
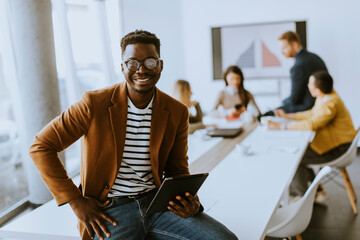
x=284, y=149
x=282, y=133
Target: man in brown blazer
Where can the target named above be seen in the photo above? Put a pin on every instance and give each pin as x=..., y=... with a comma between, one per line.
x=133, y=135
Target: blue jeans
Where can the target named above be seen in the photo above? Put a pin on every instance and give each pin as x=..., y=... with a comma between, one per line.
x=134, y=223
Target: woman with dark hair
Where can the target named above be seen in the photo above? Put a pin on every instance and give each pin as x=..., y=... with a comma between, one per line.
x=331, y=121
x=235, y=99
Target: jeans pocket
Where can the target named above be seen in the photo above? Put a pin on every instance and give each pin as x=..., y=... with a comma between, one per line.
x=110, y=203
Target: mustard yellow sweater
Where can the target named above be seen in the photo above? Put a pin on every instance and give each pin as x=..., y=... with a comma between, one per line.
x=330, y=120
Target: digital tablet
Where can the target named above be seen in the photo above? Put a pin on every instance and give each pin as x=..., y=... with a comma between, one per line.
x=224, y=132
x=175, y=186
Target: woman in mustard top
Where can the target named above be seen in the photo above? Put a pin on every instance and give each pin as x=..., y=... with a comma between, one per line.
x=331, y=121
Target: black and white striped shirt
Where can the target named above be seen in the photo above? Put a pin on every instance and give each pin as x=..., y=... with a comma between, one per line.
x=135, y=175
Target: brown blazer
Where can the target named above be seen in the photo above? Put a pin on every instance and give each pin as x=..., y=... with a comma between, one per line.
x=100, y=119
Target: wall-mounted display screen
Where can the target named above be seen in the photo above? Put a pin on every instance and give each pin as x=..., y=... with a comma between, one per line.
x=254, y=48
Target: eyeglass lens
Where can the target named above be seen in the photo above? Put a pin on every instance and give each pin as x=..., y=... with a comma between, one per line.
x=134, y=65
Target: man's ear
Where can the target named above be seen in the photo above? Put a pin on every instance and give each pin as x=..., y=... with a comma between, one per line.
x=296, y=45
x=122, y=67
x=162, y=64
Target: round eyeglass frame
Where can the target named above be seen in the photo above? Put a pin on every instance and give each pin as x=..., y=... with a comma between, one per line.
x=141, y=62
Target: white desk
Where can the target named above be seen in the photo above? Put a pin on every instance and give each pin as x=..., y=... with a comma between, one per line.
x=199, y=144
x=243, y=191
x=48, y=222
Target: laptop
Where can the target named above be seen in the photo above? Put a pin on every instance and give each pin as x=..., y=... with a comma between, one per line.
x=224, y=132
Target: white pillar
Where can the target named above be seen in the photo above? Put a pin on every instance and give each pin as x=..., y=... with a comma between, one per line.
x=107, y=63
x=33, y=40
x=71, y=81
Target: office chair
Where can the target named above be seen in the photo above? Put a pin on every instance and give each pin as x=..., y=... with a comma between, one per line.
x=292, y=219
x=340, y=163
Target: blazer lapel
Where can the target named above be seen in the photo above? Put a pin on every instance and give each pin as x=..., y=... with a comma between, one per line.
x=159, y=120
x=118, y=119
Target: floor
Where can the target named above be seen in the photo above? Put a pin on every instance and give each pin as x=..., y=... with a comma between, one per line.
x=335, y=219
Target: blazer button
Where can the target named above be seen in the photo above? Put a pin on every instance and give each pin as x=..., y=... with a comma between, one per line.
x=107, y=186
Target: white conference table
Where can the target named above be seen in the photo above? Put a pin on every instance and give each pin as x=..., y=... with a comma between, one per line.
x=241, y=191
x=199, y=143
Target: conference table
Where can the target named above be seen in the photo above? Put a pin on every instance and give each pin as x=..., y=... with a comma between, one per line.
x=242, y=191
x=245, y=188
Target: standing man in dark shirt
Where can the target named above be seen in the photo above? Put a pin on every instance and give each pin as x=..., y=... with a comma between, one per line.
x=306, y=63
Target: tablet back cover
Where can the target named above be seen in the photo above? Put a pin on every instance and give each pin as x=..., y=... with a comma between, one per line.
x=172, y=187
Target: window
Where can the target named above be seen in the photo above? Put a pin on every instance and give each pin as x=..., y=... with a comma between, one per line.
x=84, y=57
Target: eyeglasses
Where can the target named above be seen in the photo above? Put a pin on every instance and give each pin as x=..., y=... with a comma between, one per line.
x=148, y=63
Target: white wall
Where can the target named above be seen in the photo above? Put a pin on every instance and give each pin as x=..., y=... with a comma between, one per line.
x=332, y=31
x=162, y=17
x=184, y=28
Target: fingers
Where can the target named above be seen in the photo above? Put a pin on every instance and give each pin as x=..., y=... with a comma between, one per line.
x=186, y=207
x=103, y=228
x=270, y=124
x=177, y=208
x=183, y=201
x=104, y=216
x=194, y=203
x=89, y=230
x=96, y=228
x=102, y=204
x=190, y=197
x=174, y=210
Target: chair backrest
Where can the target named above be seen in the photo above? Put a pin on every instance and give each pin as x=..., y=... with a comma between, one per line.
x=295, y=217
x=347, y=158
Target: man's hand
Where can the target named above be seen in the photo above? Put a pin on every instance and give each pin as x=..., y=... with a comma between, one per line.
x=186, y=207
x=89, y=212
x=273, y=125
x=280, y=113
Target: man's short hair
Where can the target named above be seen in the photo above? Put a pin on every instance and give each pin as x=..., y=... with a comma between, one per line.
x=323, y=81
x=140, y=36
x=291, y=37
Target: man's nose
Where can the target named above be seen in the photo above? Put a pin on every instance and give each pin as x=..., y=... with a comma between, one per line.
x=142, y=69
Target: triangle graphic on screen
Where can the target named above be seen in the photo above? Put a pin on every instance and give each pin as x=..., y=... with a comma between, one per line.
x=268, y=58
x=247, y=58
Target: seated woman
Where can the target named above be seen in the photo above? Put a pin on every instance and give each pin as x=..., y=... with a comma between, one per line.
x=235, y=99
x=331, y=121
x=182, y=92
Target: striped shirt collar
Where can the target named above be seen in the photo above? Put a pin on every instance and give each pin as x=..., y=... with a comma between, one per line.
x=131, y=104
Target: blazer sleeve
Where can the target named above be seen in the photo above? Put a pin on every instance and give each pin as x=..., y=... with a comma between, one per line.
x=319, y=118
x=177, y=163
x=54, y=138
